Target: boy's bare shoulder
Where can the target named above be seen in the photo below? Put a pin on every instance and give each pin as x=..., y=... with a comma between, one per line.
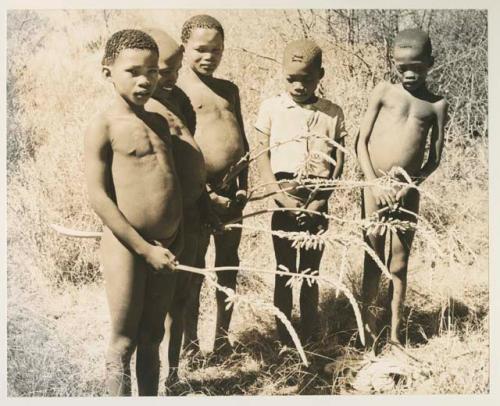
x=438, y=101
x=383, y=87
x=99, y=125
x=155, y=106
x=441, y=107
x=226, y=86
x=329, y=107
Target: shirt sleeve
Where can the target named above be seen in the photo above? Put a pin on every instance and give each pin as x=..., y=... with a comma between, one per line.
x=263, y=121
x=340, y=131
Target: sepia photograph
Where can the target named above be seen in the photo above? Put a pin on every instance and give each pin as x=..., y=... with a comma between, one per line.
x=247, y=201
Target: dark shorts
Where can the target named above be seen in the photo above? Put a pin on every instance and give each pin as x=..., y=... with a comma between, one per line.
x=287, y=222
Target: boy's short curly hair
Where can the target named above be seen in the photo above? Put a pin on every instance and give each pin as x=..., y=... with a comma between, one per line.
x=127, y=39
x=200, y=21
x=414, y=38
x=303, y=51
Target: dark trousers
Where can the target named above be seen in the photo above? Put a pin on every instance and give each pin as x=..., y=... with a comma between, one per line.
x=286, y=255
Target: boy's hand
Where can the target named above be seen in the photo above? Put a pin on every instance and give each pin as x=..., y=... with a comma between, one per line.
x=220, y=204
x=310, y=220
x=240, y=199
x=402, y=193
x=285, y=201
x=384, y=197
x=160, y=258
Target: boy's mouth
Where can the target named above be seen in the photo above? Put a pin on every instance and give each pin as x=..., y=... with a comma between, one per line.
x=142, y=94
x=410, y=84
x=207, y=66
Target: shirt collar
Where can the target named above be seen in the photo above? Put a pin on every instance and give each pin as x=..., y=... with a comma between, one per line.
x=289, y=103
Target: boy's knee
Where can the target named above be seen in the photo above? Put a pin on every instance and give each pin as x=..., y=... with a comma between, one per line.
x=123, y=347
x=399, y=264
x=151, y=338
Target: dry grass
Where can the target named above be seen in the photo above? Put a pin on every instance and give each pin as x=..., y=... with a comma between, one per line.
x=57, y=317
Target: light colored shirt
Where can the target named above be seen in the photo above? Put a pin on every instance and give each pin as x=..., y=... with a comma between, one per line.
x=300, y=136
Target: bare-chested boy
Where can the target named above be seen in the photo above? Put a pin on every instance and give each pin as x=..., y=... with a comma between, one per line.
x=174, y=105
x=394, y=132
x=220, y=135
x=299, y=127
x=133, y=187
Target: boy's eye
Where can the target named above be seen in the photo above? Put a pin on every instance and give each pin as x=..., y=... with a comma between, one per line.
x=133, y=72
x=210, y=50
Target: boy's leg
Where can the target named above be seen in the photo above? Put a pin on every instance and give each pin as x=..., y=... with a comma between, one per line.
x=398, y=263
x=125, y=281
x=192, y=307
x=158, y=298
x=226, y=254
x=177, y=315
x=371, y=271
x=309, y=293
x=285, y=255
x=182, y=290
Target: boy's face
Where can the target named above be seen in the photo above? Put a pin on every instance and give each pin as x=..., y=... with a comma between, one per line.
x=204, y=50
x=169, y=70
x=134, y=74
x=302, y=80
x=412, y=66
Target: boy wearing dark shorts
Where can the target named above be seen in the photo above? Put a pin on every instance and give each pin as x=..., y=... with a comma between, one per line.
x=300, y=128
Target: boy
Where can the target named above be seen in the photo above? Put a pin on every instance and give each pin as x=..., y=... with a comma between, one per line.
x=299, y=126
x=394, y=133
x=221, y=138
x=173, y=104
x=134, y=189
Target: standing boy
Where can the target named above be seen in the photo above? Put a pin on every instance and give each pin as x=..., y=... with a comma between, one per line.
x=394, y=133
x=133, y=187
x=174, y=105
x=301, y=129
x=221, y=138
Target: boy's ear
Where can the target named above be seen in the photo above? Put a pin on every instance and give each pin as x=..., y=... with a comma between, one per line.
x=106, y=72
x=321, y=73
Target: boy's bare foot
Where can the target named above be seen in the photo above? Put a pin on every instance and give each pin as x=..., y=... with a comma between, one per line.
x=175, y=387
x=194, y=356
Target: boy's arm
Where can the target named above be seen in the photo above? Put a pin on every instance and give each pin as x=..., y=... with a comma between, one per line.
x=98, y=175
x=187, y=111
x=436, y=143
x=266, y=174
x=243, y=176
x=381, y=196
x=320, y=199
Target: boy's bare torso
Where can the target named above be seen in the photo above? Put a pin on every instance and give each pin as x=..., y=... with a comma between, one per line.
x=188, y=157
x=400, y=130
x=143, y=175
x=218, y=132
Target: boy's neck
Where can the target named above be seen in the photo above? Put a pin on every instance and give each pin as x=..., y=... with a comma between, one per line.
x=420, y=92
x=125, y=106
x=162, y=94
x=204, y=78
x=313, y=99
